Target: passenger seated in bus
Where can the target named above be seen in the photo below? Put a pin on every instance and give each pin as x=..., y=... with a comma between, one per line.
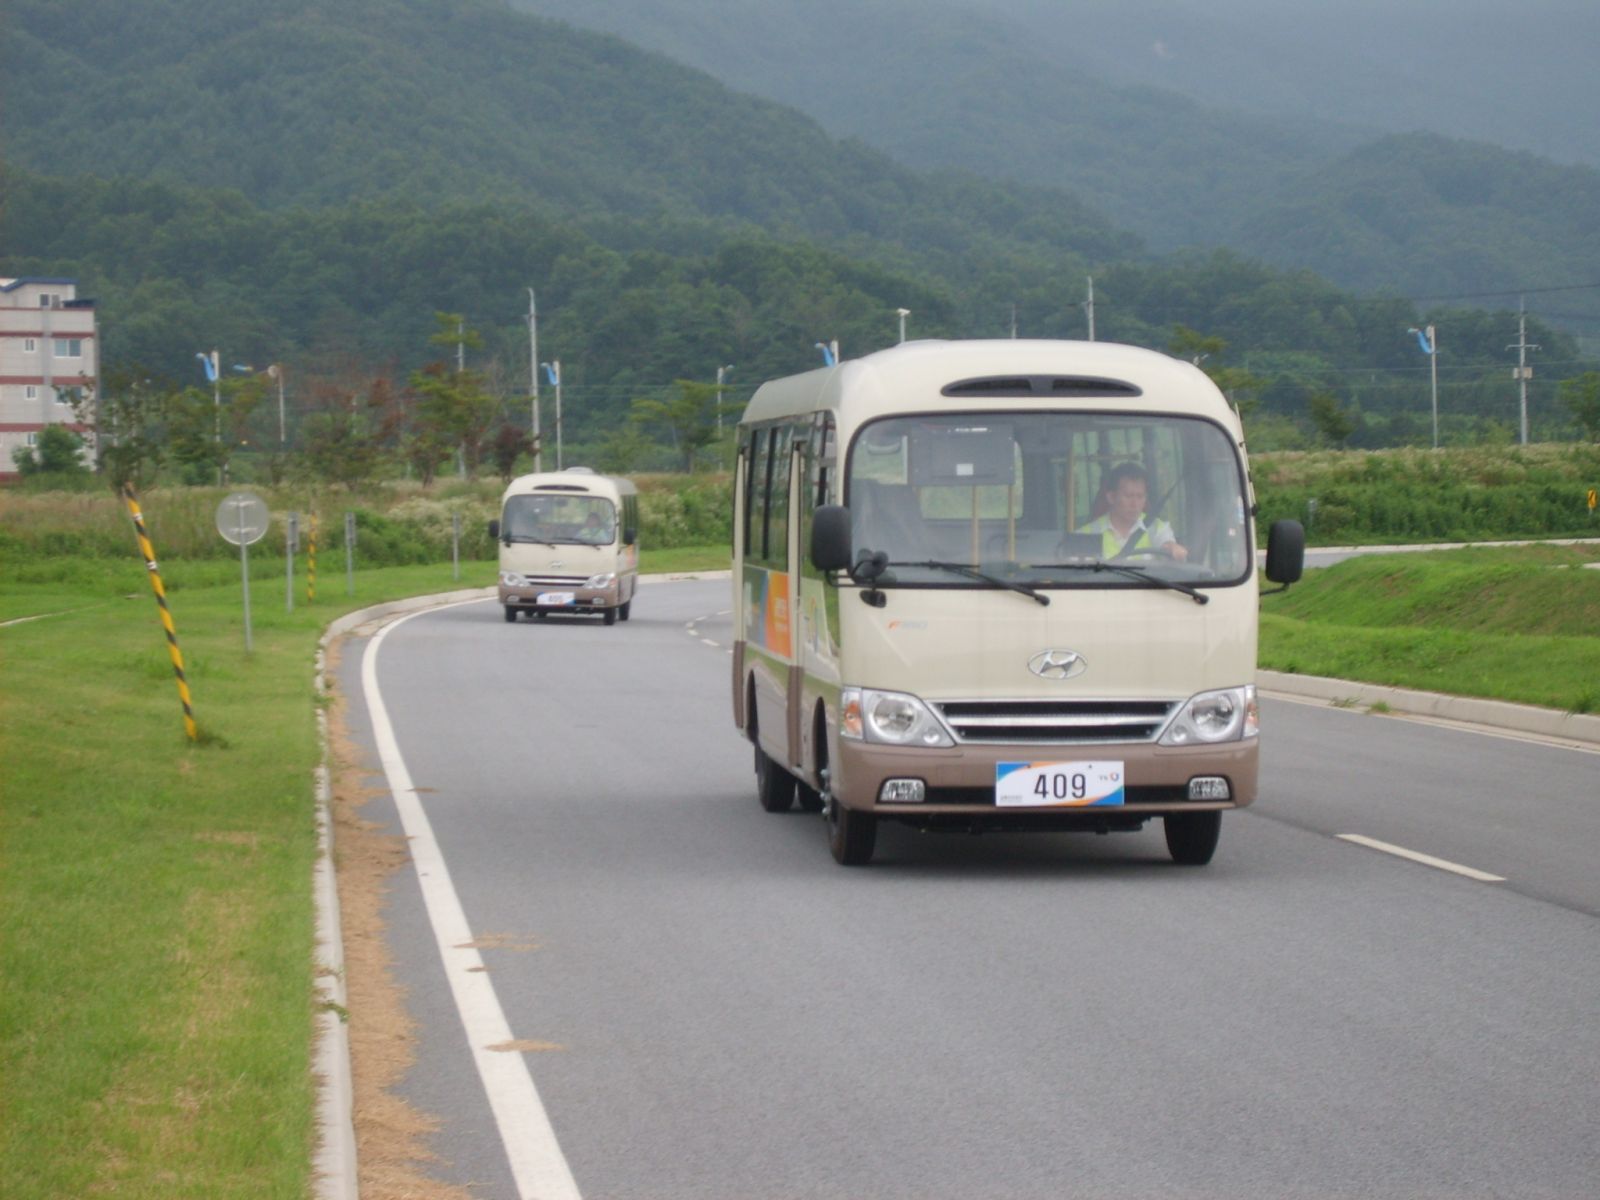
x=1124, y=528
x=596, y=529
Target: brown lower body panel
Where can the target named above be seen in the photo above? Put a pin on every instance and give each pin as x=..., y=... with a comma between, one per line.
x=961, y=780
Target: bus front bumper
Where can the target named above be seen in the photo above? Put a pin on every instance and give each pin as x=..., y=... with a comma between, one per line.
x=959, y=783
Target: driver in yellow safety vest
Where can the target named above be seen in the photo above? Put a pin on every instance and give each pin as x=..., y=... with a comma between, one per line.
x=1124, y=528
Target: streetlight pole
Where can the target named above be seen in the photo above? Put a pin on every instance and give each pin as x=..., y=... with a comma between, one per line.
x=1430, y=347
x=533, y=376
x=275, y=371
x=553, y=370
x=720, y=372
x=903, y=314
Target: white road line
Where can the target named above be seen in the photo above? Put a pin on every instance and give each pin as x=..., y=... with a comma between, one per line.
x=537, y=1164
x=1426, y=860
x=709, y=642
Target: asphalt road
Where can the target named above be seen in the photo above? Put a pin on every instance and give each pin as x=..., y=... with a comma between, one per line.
x=718, y=1010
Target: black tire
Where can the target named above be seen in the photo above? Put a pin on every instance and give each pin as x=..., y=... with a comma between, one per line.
x=774, y=786
x=541, y=614
x=1192, y=837
x=610, y=617
x=851, y=835
x=807, y=797
x=511, y=613
x=626, y=610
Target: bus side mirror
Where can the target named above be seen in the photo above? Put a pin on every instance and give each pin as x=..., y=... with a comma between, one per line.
x=1286, y=552
x=494, y=531
x=830, y=538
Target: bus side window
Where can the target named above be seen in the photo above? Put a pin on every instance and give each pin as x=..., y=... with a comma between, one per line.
x=778, y=499
x=755, y=525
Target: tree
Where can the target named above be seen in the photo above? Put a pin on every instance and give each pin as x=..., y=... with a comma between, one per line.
x=1581, y=395
x=59, y=451
x=345, y=434
x=1333, y=420
x=1239, y=385
x=690, y=418
x=127, y=421
x=510, y=443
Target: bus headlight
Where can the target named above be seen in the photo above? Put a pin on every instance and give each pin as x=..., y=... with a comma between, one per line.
x=601, y=581
x=1228, y=715
x=512, y=579
x=890, y=718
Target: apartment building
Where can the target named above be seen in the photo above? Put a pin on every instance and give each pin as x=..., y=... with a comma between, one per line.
x=48, y=346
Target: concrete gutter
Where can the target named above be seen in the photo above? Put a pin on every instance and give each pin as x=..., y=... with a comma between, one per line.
x=1579, y=729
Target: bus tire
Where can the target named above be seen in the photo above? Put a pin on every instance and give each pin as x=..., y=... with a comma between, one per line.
x=1192, y=837
x=610, y=617
x=774, y=786
x=851, y=835
x=626, y=610
x=511, y=613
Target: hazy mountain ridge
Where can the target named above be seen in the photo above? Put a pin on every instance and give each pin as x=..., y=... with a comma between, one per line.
x=1016, y=91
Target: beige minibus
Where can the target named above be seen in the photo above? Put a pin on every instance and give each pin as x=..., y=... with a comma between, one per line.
x=1000, y=585
x=569, y=543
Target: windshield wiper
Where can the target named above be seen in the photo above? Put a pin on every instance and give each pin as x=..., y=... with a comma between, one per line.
x=973, y=573
x=1131, y=572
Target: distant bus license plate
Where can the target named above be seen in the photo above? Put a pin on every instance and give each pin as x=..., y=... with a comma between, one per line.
x=1058, y=784
x=555, y=598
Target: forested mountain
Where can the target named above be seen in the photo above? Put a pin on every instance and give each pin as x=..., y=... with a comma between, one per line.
x=308, y=184
x=1038, y=91
x=296, y=102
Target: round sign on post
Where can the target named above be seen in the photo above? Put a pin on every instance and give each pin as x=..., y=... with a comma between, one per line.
x=242, y=518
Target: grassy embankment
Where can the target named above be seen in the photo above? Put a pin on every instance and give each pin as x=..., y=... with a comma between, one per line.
x=1513, y=623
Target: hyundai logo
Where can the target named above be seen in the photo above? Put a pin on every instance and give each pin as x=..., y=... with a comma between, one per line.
x=1058, y=664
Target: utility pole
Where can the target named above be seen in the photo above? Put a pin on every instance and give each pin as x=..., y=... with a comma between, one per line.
x=1013, y=322
x=903, y=313
x=461, y=345
x=1523, y=371
x=721, y=371
x=533, y=376
x=1088, y=307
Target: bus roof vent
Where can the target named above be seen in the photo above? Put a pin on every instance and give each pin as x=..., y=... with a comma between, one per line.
x=1041, y=385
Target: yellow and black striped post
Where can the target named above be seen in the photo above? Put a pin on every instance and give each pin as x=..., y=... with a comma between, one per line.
x=146, y=549
x=311, y=560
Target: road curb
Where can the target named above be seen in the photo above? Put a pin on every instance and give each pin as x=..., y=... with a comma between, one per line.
x=1496, y=714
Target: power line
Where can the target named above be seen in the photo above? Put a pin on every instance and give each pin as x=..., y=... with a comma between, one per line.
x=1570, y=287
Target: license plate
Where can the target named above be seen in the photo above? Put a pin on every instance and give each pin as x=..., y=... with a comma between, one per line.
x=553, y=599
x=1058, y=784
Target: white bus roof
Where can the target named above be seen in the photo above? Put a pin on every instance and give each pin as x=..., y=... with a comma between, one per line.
x=915, y=376
x=573, y=481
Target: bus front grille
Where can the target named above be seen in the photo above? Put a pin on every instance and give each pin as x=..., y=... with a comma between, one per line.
x=1046, y=722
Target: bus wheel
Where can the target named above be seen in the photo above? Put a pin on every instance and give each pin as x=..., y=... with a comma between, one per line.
x=809, y=799
x=774, y=785
x=1192, y=837
x=511, y=613
x=626, y=610
x=611, y=616
x=851, y=834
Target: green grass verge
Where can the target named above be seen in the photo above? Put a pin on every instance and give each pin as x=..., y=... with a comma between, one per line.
x=155, y=910
x=1508, y=623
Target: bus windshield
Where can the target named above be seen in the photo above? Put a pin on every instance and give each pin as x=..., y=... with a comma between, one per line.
x=554, y=518
x=1042, y=498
